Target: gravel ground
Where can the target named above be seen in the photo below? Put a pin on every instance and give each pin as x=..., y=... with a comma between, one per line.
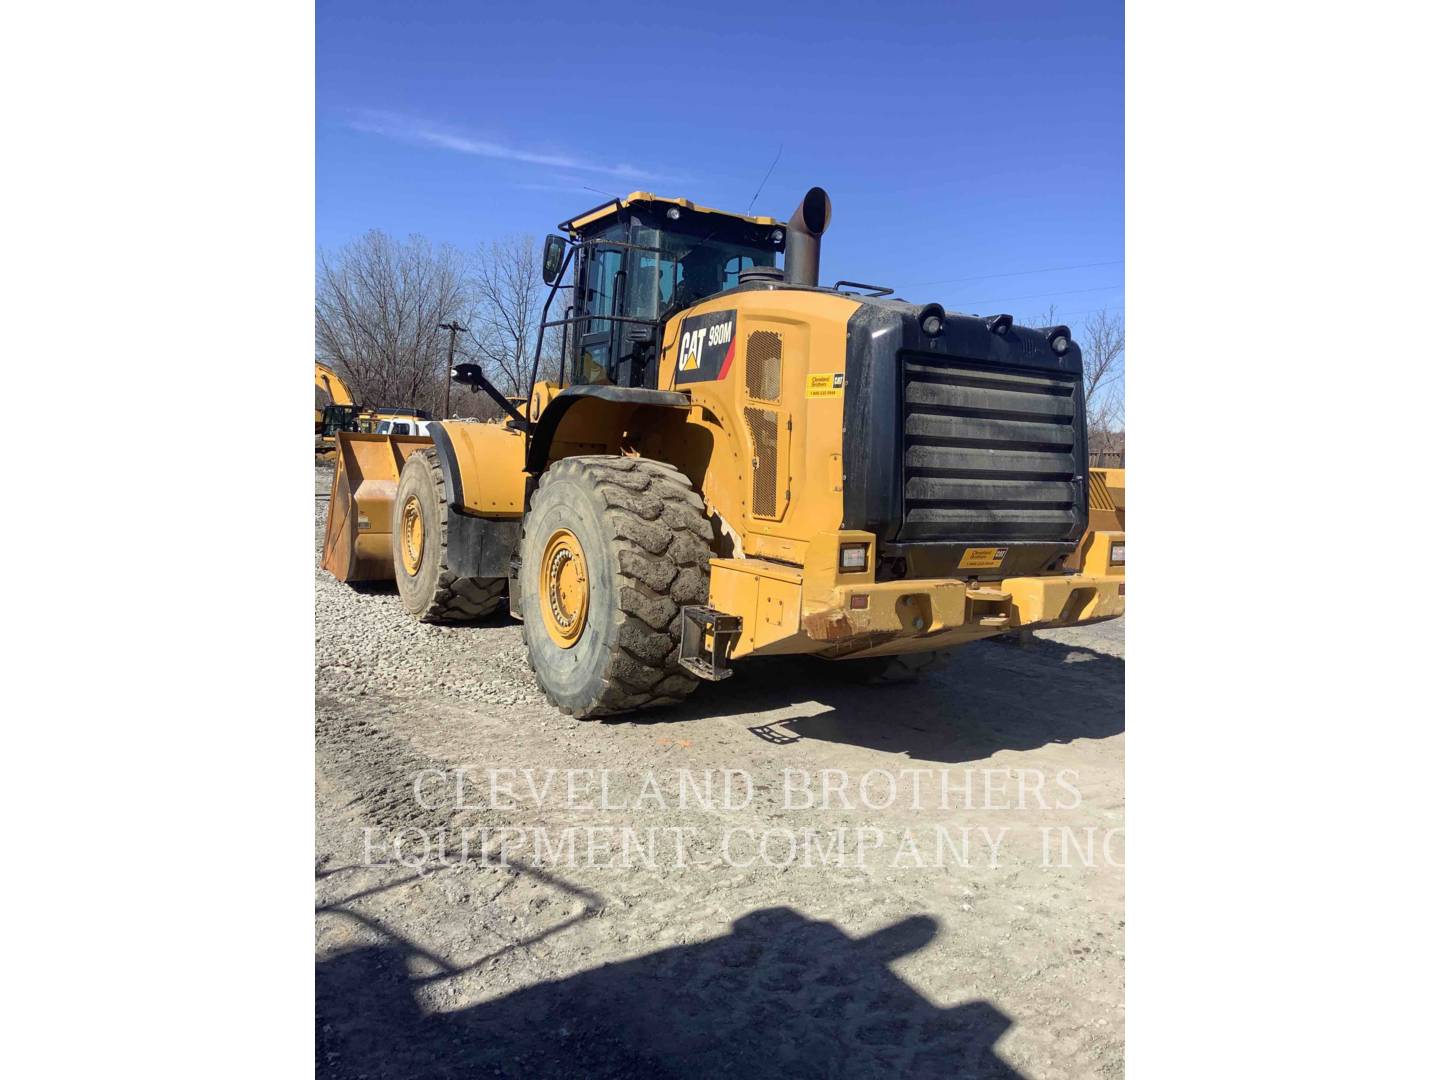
x=558, y=944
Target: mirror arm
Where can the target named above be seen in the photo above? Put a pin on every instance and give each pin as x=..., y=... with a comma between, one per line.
x=482, y=383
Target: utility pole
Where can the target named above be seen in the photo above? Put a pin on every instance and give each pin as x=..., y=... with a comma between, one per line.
x=455, y=328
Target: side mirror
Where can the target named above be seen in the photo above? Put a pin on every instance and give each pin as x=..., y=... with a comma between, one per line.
x=554, y=258
x=467, y=374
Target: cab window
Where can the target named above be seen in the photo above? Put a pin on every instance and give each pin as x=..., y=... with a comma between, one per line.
x=690, y=268
x=600, y=273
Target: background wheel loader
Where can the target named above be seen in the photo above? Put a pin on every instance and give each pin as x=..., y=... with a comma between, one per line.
x=743, y=462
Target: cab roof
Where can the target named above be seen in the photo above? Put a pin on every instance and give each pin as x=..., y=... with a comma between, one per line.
x=605, y=210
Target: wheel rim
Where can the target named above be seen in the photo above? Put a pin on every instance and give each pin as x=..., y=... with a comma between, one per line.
x=564, y=588
x=412, y=535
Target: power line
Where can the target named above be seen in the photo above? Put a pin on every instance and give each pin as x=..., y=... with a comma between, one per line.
x=1032, y=296
x=1013, y=273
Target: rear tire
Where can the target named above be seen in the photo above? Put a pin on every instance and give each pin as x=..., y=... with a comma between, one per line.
x=419, y=546
x=634, y=532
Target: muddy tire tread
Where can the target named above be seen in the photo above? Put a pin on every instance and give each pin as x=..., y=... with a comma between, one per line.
x=457, y=599
x=660, y=541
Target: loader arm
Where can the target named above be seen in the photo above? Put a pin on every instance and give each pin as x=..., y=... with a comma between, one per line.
x=326, y=379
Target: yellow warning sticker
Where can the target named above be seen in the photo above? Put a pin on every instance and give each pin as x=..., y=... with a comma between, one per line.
x=982, y=558
x=828, y=384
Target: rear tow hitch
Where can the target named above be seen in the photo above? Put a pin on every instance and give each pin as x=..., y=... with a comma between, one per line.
x=706, y=637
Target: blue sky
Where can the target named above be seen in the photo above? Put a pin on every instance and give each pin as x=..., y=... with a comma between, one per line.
x=965, y=146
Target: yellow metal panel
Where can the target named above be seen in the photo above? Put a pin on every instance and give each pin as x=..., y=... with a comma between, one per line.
x=735, y=592
x=1107, y=499
x=777, y=614
x=1107, y=489
x=766, y=596
x=822, y=566
x=491, y=458
x=1065, y=600
x=599, y=214
x=811, y=329
x=1097, y=558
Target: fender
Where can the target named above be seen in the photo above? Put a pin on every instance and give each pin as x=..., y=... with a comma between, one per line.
x=449, y=467
x=482, y=466
x=623, y=402
x=484, y=494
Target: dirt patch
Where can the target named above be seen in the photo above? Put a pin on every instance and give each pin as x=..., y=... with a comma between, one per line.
x=603, y=924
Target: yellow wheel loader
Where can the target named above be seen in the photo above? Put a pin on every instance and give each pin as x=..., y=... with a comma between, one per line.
x=743, y=462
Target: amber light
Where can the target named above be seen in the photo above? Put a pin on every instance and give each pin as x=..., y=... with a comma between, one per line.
x=859, y=600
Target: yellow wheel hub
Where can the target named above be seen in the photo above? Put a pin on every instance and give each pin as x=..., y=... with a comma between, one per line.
x=412, y=535
x=564, y=588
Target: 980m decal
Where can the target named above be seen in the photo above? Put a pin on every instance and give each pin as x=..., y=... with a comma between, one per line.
x=707, y=347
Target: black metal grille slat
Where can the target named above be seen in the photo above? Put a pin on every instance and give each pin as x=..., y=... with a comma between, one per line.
x=1030, y=516
x=989, y=454
x=982, y=402
x=982, y=464
x=930, y=429
x=986, y=492
x=989, y=379
x=997, y=526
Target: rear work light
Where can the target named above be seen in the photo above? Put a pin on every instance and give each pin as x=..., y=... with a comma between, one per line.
x=854, y=556
x=1117, y=554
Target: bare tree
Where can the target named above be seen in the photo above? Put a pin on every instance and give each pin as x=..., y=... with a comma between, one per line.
x=1049, y=317
x=1104, y=351
x=508, y=293
x=1102, y=344
x=378, y=304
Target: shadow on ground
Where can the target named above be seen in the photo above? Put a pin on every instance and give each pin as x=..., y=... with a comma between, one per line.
x=981, y=699
x=780, y=995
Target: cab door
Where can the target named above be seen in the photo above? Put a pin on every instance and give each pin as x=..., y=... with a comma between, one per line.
x=601, y=285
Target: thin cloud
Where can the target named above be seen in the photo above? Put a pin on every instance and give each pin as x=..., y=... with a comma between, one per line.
x=410, y=129
x=570, y=184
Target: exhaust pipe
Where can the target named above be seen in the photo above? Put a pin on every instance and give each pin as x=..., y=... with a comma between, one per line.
x=802, y=240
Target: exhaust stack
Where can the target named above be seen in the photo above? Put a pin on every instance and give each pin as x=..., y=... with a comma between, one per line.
x=802, y=241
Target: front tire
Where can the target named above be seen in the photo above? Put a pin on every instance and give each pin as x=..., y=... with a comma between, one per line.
x=419, y=546
x=612, y=549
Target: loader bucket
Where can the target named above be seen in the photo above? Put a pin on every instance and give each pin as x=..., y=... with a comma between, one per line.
x=362, y=496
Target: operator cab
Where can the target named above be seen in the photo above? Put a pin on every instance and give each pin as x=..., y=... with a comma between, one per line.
x=339, y=418
x=640, y=260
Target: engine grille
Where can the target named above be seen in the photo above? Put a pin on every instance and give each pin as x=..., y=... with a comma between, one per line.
x=990, y=454
x=762, y=365
x=764, y=435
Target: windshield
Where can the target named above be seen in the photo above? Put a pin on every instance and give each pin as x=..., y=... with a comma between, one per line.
x=690, y=268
